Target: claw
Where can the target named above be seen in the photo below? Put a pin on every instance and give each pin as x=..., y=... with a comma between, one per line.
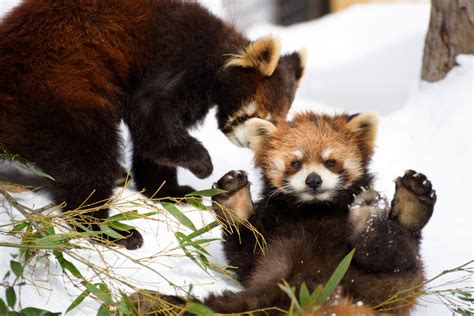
x=425, y=182
x=214, y=185
x=416, y=175
x=363, y=189
x=433, y=194
x=354, y=196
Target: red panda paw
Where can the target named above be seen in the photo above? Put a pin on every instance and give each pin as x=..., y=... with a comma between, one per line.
x=132, y=239
x=418, y=184
x=367, y=205
x=236, y=200
x=232, y=181
x=414, y=200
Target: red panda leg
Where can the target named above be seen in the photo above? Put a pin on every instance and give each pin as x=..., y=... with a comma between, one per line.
x=81, y=154
x=382, y=245
x=89, y=185
x=157, y=180
x=232, y=208
x=161, y=142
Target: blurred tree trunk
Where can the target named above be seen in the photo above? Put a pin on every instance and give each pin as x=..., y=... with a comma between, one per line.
x=451, y=32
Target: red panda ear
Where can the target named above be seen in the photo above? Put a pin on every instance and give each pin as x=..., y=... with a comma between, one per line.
x=297, y=61
x=262, y=54
x=365, y=127
x=258, y=130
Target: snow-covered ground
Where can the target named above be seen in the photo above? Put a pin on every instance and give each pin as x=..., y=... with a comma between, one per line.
x=366, y=58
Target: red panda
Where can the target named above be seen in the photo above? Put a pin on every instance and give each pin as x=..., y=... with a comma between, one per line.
x=72, y=70
x=316, y=205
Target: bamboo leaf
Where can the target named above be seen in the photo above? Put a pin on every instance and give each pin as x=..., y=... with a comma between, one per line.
x=19, y=227
x=126, y=306
x=314, y=297
x=120, y=226
x=110, y=232
x=32, y=311
x=125, y=216
x=101, y=291
x=195, y=203
x=78, y=300
x=201, y=231
x=199, y=309
x=183, y=219
x=336, y=277
x=290, y=291
x=11, y=296
x=207, y=192
x=67, y=265
x=53, y=240
x=16, y=267
x=103, y=310
x=304, y=295
x=22, y=165
x=193, y=243
x=3, y=307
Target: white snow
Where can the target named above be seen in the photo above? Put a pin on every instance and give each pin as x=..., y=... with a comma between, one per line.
x=366, y=58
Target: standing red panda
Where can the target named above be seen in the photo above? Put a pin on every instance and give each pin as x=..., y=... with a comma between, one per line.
x=316, y=206
x=71, y=70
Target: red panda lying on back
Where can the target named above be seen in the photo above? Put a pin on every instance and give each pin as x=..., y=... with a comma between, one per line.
x=316, y=206
x=71, y=70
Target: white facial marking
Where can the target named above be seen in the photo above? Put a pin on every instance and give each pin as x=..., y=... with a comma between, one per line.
x=330, y=182
x=239, y=136
x=298, y=153
x=326, y=153
x=278, y=168
x=354, y=167
x=248, y=109
x=279, y=164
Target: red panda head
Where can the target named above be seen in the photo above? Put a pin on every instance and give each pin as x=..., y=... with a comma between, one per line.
x=276, y=77
x=314, y=157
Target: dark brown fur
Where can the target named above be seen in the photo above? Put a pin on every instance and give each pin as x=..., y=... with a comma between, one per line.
x=71, y=70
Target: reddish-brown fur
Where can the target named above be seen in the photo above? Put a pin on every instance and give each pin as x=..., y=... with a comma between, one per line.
x=71, y=70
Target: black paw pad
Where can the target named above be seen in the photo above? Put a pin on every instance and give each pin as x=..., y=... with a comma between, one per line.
x=232, y=181
x=417, y=183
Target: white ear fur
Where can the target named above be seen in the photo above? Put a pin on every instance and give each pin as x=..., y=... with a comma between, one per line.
x=258, y=129
x=262, y=54
x=303, y=54
x=365, y=125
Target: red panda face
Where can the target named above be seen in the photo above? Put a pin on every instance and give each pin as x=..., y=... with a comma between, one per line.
x=314, y=157
x=277, y=79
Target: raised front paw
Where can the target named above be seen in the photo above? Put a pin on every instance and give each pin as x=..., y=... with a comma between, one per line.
x=414, y=200
x=367, y=205
x=237, y=196
x=417, y=183
x=232, y=181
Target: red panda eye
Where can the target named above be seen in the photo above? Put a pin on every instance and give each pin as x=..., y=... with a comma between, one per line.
x=330, y=163
x=296, y=164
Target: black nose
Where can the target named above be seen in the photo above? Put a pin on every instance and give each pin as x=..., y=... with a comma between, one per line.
x=313, y=180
